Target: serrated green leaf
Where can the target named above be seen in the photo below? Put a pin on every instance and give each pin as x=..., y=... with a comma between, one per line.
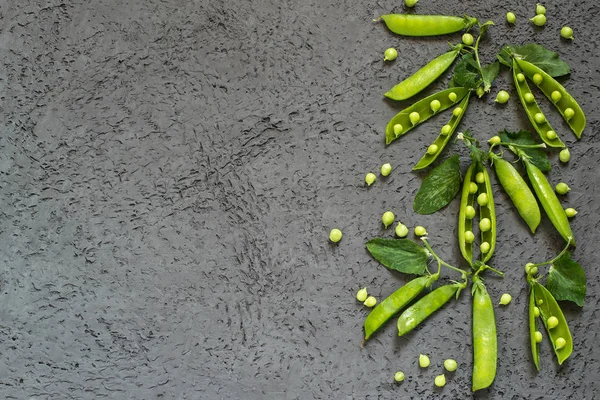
x=466, y=73
x=439, y=187
x=489, y=74
x=401, y=255
x=536, y=54
x=538, y=157
x=566, y=280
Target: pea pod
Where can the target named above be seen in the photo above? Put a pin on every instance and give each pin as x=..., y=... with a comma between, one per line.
x=515, y=186
x=426, y=25
x=423, y=108
x=426, y=306
x=487, y=211
x=444, y=137
x=423, y=77
x=532, y=109
x=550, y=308
x=396, y=302
x=485, y=341
x=550, y=203
x=548, y=86
x=465, y=223
x=535, y=347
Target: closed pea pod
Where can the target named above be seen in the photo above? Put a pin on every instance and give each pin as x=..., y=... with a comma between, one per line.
x=464, y=222
x=550, y=308
x=444, y=136
x=521, y=196
x=422, y=107
x=426, y=25
x=550, y=203
x=532, y=109
x=395, y=302
x=535, y=348
x=488, y=212
x=423, y=77
x=485, y=341
x=559, y=96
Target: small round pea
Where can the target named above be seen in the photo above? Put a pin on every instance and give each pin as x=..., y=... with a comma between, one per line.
x=440, y=380
x=401, y=230
x=450, y=365
x=551, y=135
x=528, y=267
x=539, y=20
x=511, y=18
x=540, y=301
x=361, y=295
x=473, y=188
x=480, y=91
x=482, y=199
x=562, y=188
x=484, y=247
x=566, y=32
x=502, y=97
x=390, y=54
x=420, y=231
x=435, y=105
x=564, y=155
x=533, y=271
x=528, y=98
x=470, y=212
x=536, y=311
x=520, y=77
x=540, y=9
x=538, y=336
x=505, y=299
x=467, y=39
x=485, y=224
x=552, y=322
x=387, y=218
x=559, y=343
x=370, y=301
x=452, y=96
x=424, y=361
x=410, y=3
x=480, y=177
x=446, y=129
x=414, y=117
x=335, y=235
x=469, y=237
x=495, y=140
x=540, y=118
x=399, y=376
x=386, y=169
x=556, y=96
x=571, y=212
x=457, y=111
x=432, y=149
x=569, y=113
x=370, y=178
x=397, y=129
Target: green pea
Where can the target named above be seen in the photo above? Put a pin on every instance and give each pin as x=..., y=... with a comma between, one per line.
x=511, y=18
x=556, y=96
x=485, y=224
x=482, y=199
x=467, y=39
x=452, y=96
x=564, y=155
x=335, y=235
x=505, y=299
x=539, y=118
x=484, y=247
x=420, y=231
x=538, y=337
x=450, y=365
x=569, y=113
x=457, y=111
x=370, y=178
x=361, y=295
x=440, y=380
x=559, y=343
x=432, y=149
x=495, y=140
x=473, y=188
x=552, y=322
x=551, y=135
x=435, y=105
x=469, y=237
x=540, y=302
x=566, y=32
x=479, y=177
x=533, y=271
x=539, y=20
x=536, y=311
x=562, y=188
x=399, y=376
x=520, y=77
x=470, y=212
x=528, y=97
x=397, y=129
x=390, y=54
x=502, y=97
x=387, y=218
x=370, y=302
x=446, y=129
x=410, y=3
x=401, y=230
x=480, y=91
x=414, y=117
x=386, y=169
x=540, y=9
x=424, y=361
x=571, y=212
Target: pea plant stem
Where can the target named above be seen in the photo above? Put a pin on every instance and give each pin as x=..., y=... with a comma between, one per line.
x=562, y=253
x=439, y=260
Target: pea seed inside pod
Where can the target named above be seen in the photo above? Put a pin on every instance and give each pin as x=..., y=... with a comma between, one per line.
x=537, y=79
x=559, y=343
x=432, y=149
x=569, y=113
x=520, y=77
x=457, y=111
x=552, y=322
x=470, y=212
x=484, y=247
x=473, y=188
x=397, y=129
x=556, y=96
x=538, y=336
x=536, y=311
x=414, y=117
x=435, y=105
x=469, y=237
x=479, y=177
x=551, y=135
x=528, y=97
x=446, y=130
x=482, y=200
x=452, y=96
x=539, y=118
x=485, y=224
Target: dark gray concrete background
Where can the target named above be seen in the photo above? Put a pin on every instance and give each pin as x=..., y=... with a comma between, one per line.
x=170, y=170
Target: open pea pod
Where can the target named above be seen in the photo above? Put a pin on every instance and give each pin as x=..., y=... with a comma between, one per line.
x=401, y=123
x=445, y=134
x=550, y=308
x=487, y=211
x=535, y=347
x=532, y=109
x=557, y=94
x=426, y=25
x=465, y=220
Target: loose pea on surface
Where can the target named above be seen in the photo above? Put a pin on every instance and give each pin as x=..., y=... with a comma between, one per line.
x=370, y=301
x=387, y=218
x=569, y=113
x=386, y=169
x=552, y=322
x=450, y=365
x=482, y=199
x=560, y=343
x=571, y=212
x=446, y=129
x=480, y=177
x=335, y=235
x=538, y=337
x=397, y=129
x=562, y=188
x=556, y=96
x=440, y=380
x=361, y=295
x=435, y=105
x=511, y=18
x=566, y=32
x=469, y=237
x=484, y=247
x=401, y=230
x=414, y=117
x=420, y=231
x=370, y=178
x=502, y=97
x=470, y=212
x=424, y=361
x=432, y=149
x=539, y=20
x=467, y=39
x=540, y=9
x=528, y=98
x=485, y=224
x=564, y=155
x=390, y=54
x=399, y=376
x=505, y=299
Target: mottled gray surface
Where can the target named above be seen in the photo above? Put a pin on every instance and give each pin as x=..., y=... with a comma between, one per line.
x=169, y=173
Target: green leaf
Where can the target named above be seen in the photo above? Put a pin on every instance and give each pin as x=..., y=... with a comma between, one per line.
x=484, y=27
x=401, y=255
x=536, y=54
x=466, y=73
x=489, y=73
x=538, y=157
x=566, y=280
x=439, y=187
x=505, y=56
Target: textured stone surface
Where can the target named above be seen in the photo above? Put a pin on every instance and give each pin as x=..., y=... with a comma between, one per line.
x=170, y=170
